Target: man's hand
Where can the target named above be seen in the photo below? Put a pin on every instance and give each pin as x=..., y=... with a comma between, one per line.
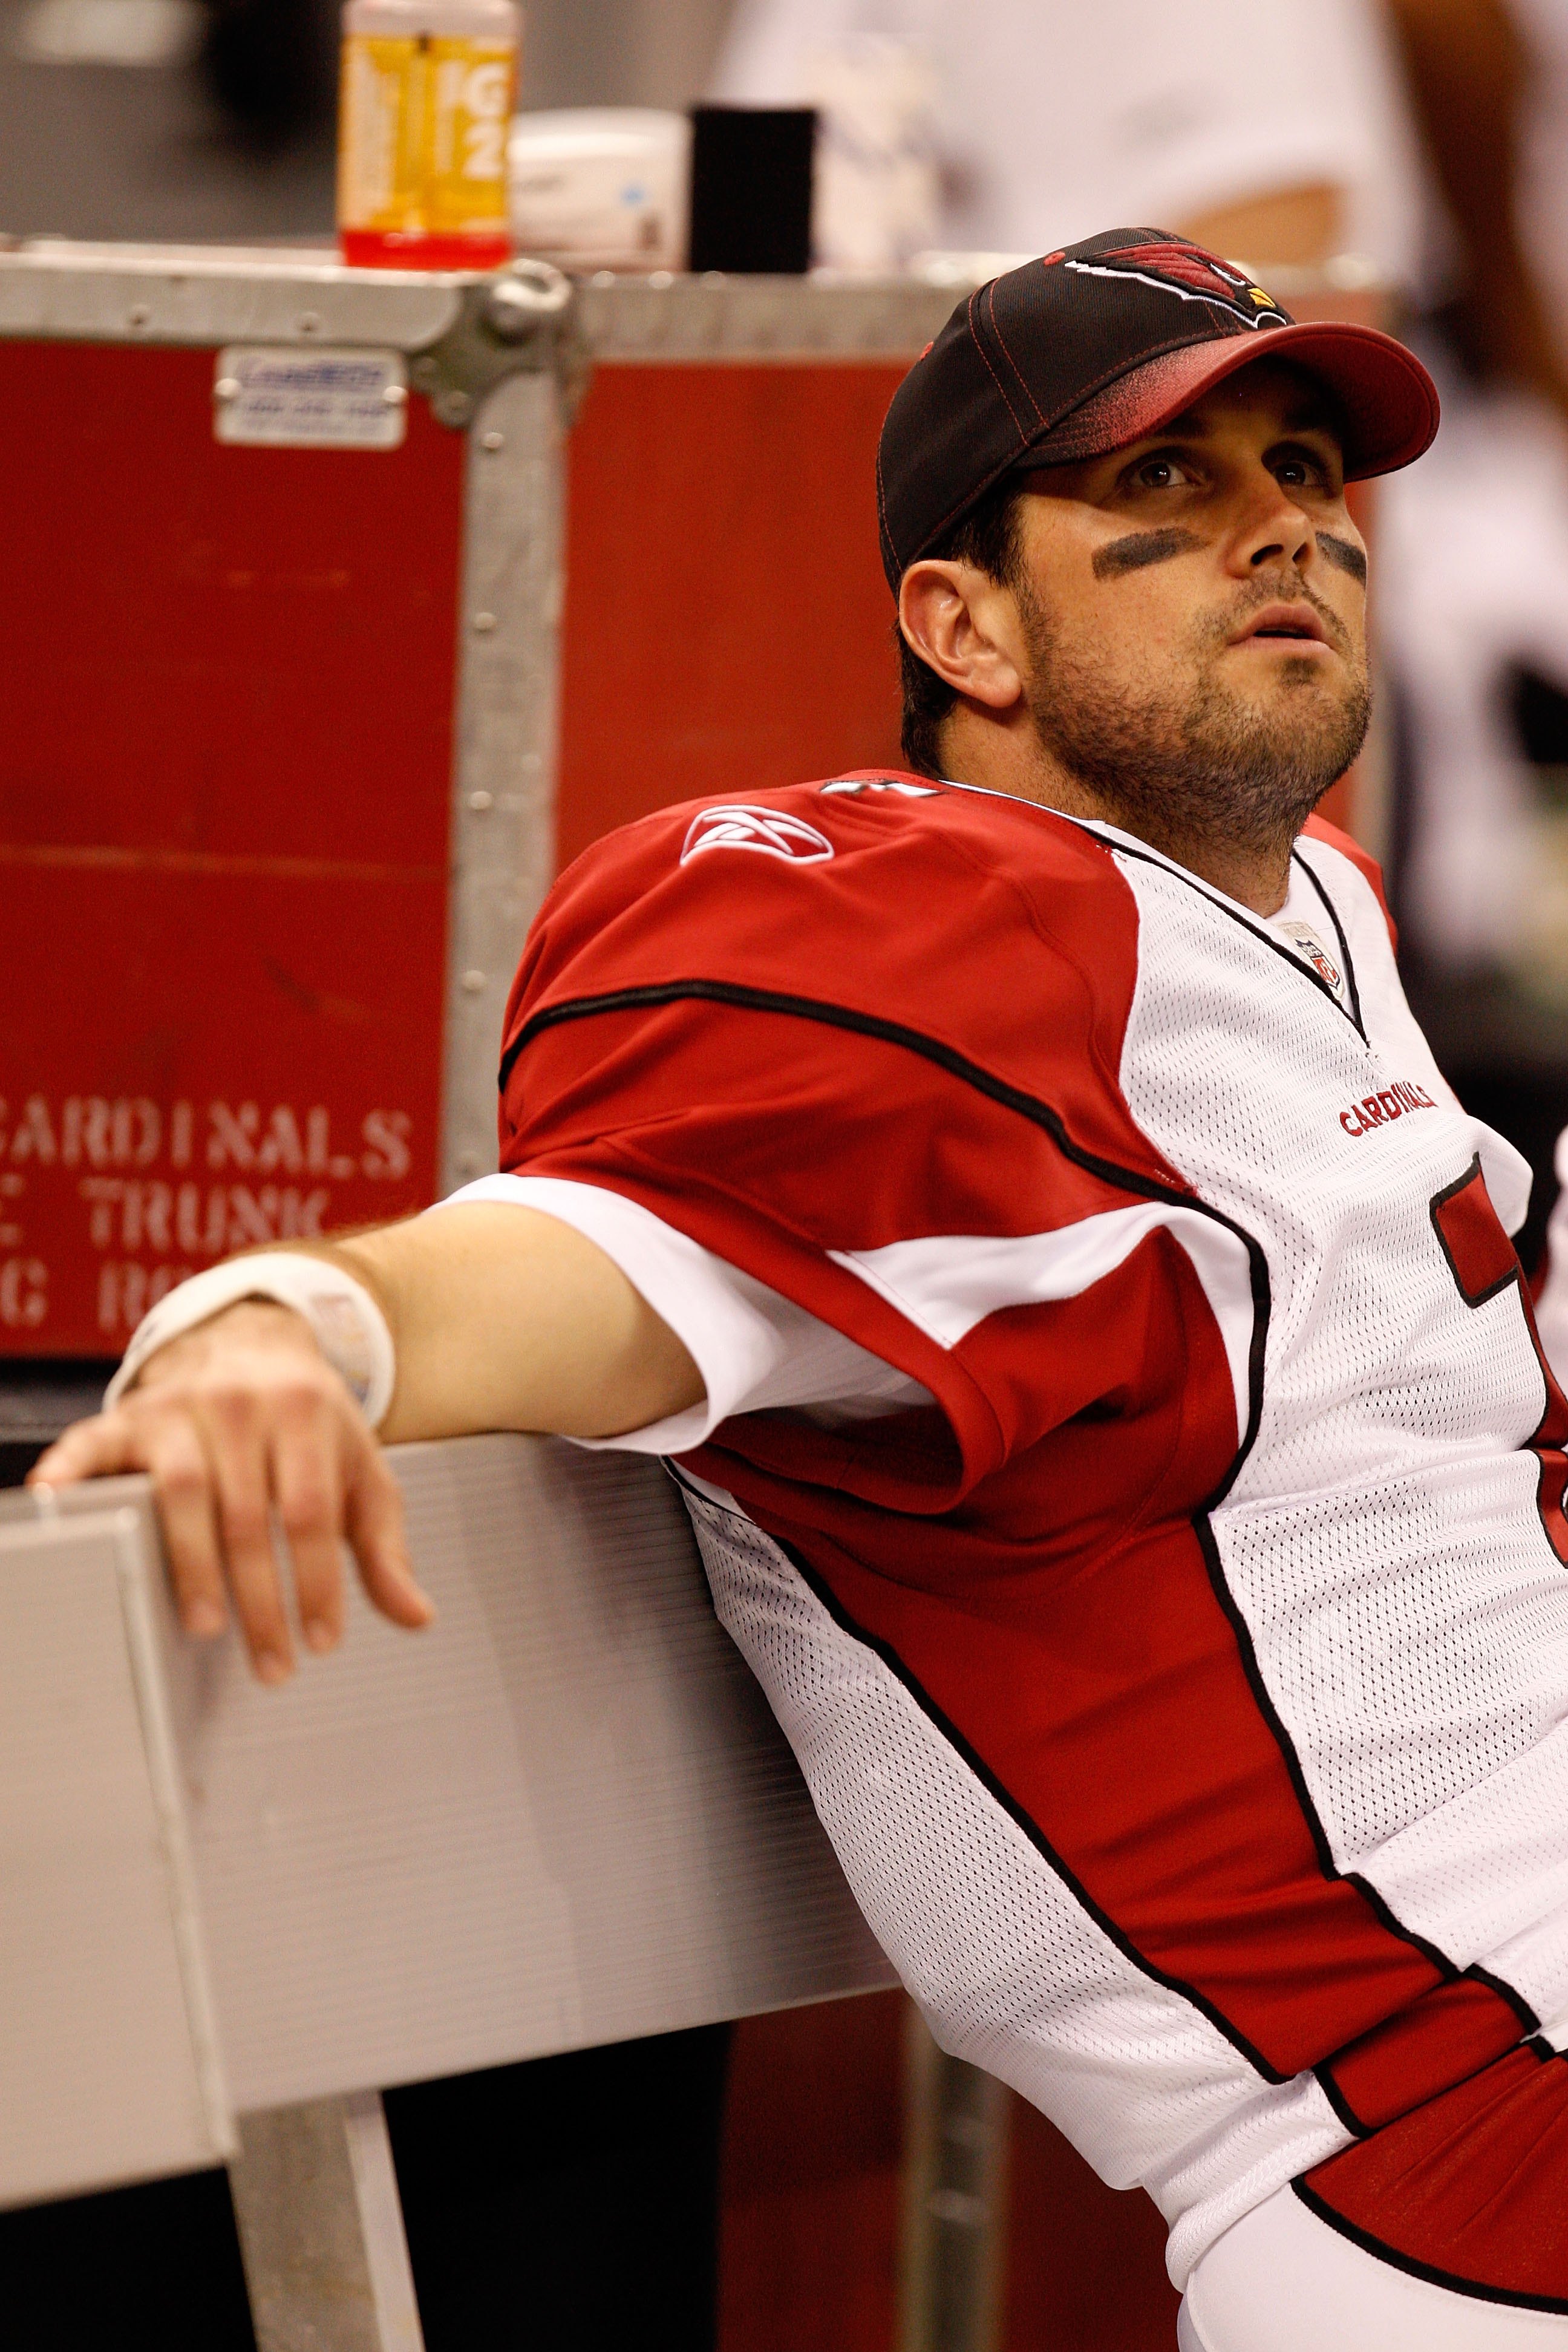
x=501, y=1318
x=236, y=1421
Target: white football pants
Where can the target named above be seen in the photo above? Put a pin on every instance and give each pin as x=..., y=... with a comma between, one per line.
x=1281, y=2280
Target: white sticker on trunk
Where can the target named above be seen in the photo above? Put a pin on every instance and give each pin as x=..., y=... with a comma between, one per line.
x=270, y=395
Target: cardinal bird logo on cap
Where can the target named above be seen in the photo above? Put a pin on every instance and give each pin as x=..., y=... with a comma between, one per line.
x=1192, y=276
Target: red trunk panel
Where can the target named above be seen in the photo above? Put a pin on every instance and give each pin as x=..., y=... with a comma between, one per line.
x=728, y=626
x=227, y=679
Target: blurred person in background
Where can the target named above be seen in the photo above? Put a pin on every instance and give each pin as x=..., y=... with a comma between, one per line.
x=1474, y=553
x=1276, y=133
x=175, y=120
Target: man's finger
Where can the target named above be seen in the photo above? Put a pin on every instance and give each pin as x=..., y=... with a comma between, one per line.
x=96, y=1448
x=232, y=1425
x=183, y=1483
x=166, y=1447
x=307, y=1486
x=375, y=1513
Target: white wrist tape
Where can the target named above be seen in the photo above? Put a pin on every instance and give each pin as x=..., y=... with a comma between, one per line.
x=349, y=1327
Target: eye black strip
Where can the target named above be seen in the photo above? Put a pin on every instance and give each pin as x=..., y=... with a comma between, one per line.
x=1138, y=548
x=1345, y=554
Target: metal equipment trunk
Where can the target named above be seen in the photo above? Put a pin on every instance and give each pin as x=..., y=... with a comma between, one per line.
x=316, y=646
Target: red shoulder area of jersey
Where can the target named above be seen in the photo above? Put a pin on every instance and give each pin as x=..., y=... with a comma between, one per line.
x=999, y=931
x=1318, y=828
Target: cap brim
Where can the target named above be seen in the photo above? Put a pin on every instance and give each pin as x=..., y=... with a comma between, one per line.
x=1386, y=399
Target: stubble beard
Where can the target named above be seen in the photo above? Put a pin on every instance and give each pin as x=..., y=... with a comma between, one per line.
x=1208, y=766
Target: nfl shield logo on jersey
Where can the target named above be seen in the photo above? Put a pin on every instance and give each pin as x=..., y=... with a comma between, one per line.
x=1315, y=953
x=738, y=826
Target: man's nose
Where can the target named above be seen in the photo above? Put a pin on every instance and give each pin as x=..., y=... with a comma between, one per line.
x=1273, y=529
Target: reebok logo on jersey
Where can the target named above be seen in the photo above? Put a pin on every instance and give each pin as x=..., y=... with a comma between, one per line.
x=1377, y=1111
x=738, y=826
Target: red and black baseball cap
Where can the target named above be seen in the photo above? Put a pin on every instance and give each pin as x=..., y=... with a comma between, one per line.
x=1090, y=348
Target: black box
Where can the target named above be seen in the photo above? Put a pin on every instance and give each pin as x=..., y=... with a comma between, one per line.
x=751, y=188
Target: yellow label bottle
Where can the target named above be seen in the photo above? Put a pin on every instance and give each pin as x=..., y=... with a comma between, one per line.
x=428, y=90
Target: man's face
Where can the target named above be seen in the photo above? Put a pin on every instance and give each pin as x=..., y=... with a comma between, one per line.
x=1194, y=612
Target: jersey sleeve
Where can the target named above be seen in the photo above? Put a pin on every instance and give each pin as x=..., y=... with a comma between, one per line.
x=756, y=1352
x=843, y=1045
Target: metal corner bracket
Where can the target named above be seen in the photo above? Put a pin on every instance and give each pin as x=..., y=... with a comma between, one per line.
x=522, y=320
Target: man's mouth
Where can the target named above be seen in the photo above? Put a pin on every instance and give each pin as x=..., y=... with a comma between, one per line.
x=1287, y=623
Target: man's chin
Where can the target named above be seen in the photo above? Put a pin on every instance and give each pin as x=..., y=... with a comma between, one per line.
x=1292, y=684
x=1302, y=717
x=1247, y=756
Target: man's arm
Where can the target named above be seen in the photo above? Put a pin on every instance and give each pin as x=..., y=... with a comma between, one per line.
x=501, y=1318
x=1299, y=224
x=1468, y=68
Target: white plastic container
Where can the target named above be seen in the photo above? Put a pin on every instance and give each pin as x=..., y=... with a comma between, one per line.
x=602, y=187
x=428, y=89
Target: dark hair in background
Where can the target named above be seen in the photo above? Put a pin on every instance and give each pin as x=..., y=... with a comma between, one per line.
x=987, y=537
x=272, y=65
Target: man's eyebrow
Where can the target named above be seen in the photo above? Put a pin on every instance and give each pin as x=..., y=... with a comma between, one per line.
x=1312, y=417
x=1137, y=547
x=1189, y=426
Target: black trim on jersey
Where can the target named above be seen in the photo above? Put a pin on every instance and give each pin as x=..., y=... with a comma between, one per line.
x=1316, y=879
x=1261, y=1699
x=1529, y=2022
x=1183, y=874
x=1505, y=1993
x=1448, y=1972
x=1447, y=1969
x=1514, y=2297
x=999, y=1791
x=1351, y=1012
x=1515, y=1273
x=1040, y=1113
x=1342, y=2106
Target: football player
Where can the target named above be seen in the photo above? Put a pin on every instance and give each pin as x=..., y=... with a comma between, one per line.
x=1014, y=1195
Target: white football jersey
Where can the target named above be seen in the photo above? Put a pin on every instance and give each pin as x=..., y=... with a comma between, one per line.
x=1178, y=1657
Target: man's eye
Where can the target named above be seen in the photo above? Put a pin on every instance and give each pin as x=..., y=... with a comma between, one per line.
x=1160, y=474
x=1299, y=474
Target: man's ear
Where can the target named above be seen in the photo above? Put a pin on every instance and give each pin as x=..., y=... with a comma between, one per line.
x=961, y=624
